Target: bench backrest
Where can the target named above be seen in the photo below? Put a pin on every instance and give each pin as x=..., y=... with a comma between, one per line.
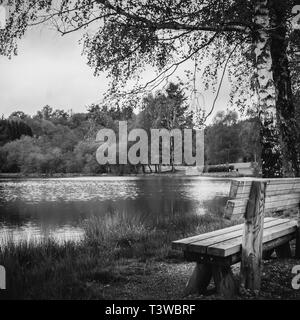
x=281, y=194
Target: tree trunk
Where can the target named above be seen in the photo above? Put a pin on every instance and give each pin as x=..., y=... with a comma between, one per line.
x=284, y=95
x=270, y=139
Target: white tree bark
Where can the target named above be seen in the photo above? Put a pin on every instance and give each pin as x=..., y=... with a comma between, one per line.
x=266, y=88
x=266, y=94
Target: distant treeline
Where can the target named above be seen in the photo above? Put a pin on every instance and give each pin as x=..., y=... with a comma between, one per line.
x=56, y=141
x=13, y=129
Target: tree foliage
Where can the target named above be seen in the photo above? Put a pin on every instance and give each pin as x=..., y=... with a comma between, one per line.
x=230, y=140
x=249, y=39
x=12, y=129
x=59, y=142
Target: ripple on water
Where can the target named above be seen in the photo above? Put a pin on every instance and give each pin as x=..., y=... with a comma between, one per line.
x=38, y=208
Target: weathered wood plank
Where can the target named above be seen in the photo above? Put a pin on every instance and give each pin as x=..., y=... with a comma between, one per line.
x=234, y=189
x=238, y=207
x=270, y=183
x=284, y=198
x=277, y=190
x=235, y=207
x=252, y=249
x=274, y=193
x=248, y=180
x=236, y=257
x=241, y=188
x=182, y=243
x=272, y=202
x=270, y=245
x=238, y=211
x=271, y=191
x=204, y=258
x=227, y=248
x=202, y=246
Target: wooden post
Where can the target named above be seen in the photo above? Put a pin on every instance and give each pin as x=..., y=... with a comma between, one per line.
x=199, y=279
x=252, y=237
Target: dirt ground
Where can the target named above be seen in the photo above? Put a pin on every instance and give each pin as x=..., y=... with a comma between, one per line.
x=163, y=280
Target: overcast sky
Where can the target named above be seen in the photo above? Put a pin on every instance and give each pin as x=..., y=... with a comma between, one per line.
x=50, y=69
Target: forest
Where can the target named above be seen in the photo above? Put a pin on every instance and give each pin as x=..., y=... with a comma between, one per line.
x=255, y=44
x=56, y=141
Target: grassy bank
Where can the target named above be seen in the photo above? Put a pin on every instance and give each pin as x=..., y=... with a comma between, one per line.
x=103, y=258
x=124, y=258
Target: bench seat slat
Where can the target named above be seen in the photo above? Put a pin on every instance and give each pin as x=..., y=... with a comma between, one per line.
x=203, y=245
x=233, y=246
x=183, y=243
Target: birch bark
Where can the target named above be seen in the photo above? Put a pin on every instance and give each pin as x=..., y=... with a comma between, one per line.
x=265, y=89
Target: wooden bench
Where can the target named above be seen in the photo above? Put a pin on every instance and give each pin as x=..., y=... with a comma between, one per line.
x=216, y=251
x=281, y=194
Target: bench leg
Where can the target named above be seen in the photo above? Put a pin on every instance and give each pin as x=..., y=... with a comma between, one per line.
x=284, y=251
x=224, y=281
x=200, y=279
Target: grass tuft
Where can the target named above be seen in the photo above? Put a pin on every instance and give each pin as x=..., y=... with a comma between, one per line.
x=48, y=270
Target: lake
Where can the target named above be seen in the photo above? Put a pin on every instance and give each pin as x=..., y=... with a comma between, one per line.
x=38, y=208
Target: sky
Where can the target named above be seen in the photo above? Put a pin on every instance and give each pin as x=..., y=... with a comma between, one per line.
x=50, y=70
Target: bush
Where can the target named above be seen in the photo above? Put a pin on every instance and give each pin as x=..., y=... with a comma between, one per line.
x=220, y=168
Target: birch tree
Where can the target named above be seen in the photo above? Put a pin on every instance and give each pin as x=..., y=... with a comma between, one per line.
x=250, y=40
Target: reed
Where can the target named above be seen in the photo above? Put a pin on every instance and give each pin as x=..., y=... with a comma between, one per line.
x=50, y=270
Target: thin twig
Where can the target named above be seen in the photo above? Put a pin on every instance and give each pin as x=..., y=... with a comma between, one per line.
x=220, y=83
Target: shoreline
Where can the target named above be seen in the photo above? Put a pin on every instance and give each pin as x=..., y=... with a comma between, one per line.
x=79, y=175
x=125, y=260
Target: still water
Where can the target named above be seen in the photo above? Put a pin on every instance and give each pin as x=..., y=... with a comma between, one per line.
x=38, y=208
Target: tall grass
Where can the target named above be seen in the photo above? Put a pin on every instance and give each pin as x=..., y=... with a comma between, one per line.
x=47, y=270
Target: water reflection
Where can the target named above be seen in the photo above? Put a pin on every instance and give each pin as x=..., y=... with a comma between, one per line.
x=38, y=208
